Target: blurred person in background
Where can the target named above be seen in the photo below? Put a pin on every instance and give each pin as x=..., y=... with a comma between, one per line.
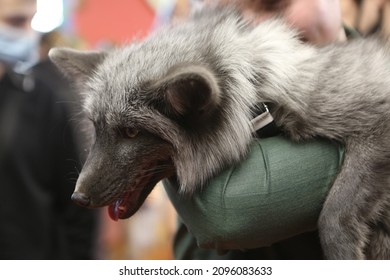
x=47, y=72
x=367, y=16
x=39, y=157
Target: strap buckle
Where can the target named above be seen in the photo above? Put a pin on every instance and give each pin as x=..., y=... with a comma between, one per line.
x=262, y=120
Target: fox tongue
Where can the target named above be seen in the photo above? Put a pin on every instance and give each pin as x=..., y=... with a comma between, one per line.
x=119, y=208
x=115, y=208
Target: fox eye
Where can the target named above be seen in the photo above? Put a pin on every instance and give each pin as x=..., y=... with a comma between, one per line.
x=129, y=132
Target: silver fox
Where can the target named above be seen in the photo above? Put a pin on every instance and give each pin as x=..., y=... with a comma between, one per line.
x=181, y=101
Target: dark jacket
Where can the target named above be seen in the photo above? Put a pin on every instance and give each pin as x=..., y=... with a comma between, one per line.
x=39, y=166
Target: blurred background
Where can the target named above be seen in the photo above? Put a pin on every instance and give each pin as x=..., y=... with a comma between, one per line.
x=95, y=24
x=101, y=24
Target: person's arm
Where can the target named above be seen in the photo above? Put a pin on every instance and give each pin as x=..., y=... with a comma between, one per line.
x=275, y=194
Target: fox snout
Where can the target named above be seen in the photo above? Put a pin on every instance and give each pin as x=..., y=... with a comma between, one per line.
x=81, y=199
x=81, y=195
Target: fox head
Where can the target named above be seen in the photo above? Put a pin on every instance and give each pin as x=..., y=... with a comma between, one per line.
x=175, y=104
x=149, y=124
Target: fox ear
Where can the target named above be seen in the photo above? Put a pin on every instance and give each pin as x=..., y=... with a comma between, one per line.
x=191, y=92
x=75, y=64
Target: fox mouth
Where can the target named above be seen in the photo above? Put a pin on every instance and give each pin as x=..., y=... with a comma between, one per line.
x=129, y=203
x=126, y=206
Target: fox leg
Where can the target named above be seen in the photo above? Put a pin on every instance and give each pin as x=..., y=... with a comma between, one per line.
x=378, y=247
x=352, y=202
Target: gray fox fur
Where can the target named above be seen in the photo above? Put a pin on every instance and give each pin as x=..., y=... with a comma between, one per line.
x=180, y=103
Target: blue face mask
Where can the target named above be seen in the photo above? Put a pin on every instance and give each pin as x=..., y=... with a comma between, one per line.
x=18, y=48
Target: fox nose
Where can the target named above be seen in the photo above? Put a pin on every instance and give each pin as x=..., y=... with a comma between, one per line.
x=81, y=199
